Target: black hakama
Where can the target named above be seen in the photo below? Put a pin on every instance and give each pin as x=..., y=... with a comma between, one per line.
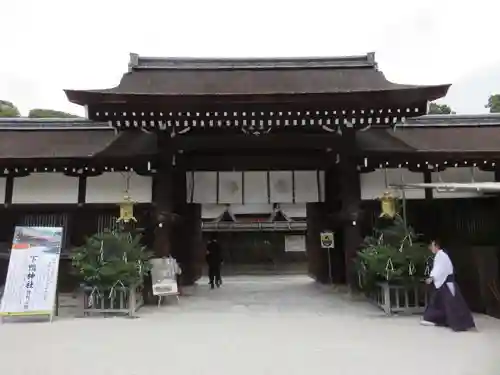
x=449, y=310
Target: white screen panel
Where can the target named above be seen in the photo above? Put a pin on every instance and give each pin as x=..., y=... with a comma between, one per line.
x=3, y=181
x=205, y=187
x=295, y=211
x=255, y=187
x=306, y=186
x=111, y=187
x=50, y=188
x=230, y=187
x=281, y=186
x=460, y=175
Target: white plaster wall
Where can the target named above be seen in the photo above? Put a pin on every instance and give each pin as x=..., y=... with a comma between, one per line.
x=110, y=188
x=461, y=175
x=321, y=186
x=2, y=189
x=41, y=188
x=373, y=184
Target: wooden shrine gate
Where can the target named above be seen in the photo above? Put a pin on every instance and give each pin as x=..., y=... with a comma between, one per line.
x=265, y=115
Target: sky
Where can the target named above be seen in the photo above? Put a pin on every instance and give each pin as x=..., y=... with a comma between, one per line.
x=52, y=45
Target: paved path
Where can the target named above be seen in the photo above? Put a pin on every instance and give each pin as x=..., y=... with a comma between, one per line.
x=253, y=325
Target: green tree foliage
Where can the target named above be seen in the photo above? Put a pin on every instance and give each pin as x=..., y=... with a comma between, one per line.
x=7, y=109
x=440, y=109
x=392, y=254
x=49, y=113
x=494, y=103
x=111, y=259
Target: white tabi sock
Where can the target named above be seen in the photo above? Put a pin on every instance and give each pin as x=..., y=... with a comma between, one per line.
x=426, y=323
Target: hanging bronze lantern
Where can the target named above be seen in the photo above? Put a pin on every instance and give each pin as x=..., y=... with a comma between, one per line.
x=127, y=210
x=388, y=205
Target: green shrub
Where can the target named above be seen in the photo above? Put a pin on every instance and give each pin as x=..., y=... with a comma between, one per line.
x=392, y=254
x=111, y=259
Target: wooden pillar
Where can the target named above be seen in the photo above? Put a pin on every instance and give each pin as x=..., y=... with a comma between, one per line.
x=164, y=214
x=193, y=241
x=317, y=257
x=184, y=233
x=428, y=179
x=350, y=196
x=179, y=249
x=8, y=220
x=430, y=225
x=487, y=262
x=333, y=207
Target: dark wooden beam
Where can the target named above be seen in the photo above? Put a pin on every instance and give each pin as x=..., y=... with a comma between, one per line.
x=230, y=162
x=66, y=207
x=100, y=109
x=163, y=200
x=82, y=189
x=268, y=141
x=350, y=197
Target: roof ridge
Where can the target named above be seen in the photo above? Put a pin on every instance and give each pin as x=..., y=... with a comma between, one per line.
x=138, y=62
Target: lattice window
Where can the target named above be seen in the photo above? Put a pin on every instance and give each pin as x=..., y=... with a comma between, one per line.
x=107, y=221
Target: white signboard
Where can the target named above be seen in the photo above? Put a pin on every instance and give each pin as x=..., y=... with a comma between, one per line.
x=165, y=287
x=295, y=243
x=31, y=283
x=164, y=274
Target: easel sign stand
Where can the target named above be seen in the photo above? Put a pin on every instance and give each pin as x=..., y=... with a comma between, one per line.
x=31, y=286
x=328, y=243
x=164, y=274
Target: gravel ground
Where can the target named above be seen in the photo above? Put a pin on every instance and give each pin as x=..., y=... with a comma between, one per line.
x=252, y=325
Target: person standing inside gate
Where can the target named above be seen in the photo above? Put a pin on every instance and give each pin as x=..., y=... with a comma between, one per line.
x=214, y=262
x=446, y=306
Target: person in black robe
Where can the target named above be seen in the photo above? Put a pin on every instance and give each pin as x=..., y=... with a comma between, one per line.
x=214, y=262
x=447, y=306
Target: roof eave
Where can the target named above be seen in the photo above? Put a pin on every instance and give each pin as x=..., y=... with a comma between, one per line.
x=412, y=94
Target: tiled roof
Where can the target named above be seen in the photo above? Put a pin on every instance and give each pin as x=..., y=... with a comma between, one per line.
x=68, y=138
x=75, y=138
